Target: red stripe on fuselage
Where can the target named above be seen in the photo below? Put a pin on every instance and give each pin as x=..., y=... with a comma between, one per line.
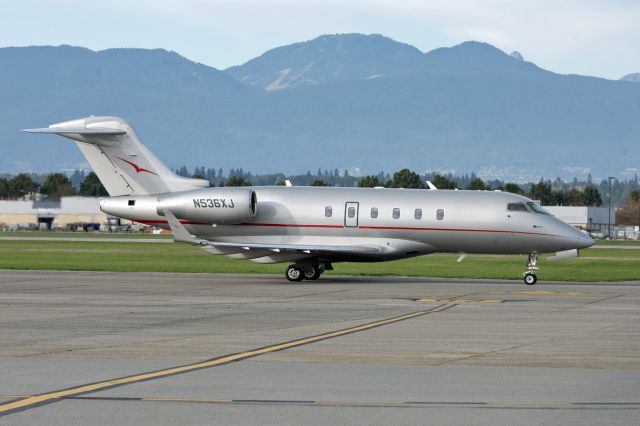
x=500, y=231
x=400, y=228
x=164, y=222
x=292, y=225
x=389, y=228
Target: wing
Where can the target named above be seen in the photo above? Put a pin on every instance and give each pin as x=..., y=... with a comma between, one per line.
x=276, y=253
x=308, y=249
x=266, y=253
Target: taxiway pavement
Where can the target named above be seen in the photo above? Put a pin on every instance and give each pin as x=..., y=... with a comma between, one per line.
x=155, y=348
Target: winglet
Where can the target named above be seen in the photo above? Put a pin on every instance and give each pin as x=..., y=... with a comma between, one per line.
x=180, y=234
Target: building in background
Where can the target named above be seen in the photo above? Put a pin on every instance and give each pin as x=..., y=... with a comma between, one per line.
x=592, y=219
x=68, y=213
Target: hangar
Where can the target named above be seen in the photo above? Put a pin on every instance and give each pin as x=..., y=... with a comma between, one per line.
x=45, y=215
x=592, y=219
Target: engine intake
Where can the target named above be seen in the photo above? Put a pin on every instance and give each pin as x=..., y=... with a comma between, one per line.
x=212, y=205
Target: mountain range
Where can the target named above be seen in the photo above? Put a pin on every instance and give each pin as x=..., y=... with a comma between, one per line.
x=337, y=101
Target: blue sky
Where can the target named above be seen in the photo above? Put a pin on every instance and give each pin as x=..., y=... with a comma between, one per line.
x=590, y=37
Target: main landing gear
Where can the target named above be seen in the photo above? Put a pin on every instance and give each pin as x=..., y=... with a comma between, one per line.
x=294, y=273
x=529, y=275
x=308, y=271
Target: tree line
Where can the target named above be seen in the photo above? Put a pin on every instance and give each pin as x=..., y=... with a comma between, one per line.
x=548, y=192
x=629, y=214
x=541, y=191
x=53, y=187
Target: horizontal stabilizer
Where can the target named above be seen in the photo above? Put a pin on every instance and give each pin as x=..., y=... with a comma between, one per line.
x=77, y=131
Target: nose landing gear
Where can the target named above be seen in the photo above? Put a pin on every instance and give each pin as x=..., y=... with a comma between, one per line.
x=529, y=275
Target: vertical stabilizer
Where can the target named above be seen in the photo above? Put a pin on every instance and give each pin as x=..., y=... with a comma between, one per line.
x=124, y=165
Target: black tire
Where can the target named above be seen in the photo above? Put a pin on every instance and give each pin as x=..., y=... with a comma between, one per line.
x=294, y=273
x=314, y=275
x=530, y=279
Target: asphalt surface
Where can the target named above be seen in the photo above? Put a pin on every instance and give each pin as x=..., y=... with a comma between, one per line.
x=151, y=348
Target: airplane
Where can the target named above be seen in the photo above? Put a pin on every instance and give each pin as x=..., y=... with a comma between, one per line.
x=312, y=227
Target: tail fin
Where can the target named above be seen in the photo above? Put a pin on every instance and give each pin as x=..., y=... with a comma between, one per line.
x=124, y=165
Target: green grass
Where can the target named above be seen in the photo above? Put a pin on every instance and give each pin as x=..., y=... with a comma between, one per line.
x=595, y=265
x=617, y=243
x=595, y=252
x=49, y=234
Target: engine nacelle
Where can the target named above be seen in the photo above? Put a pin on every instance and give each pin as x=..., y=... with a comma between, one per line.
x=212, y=205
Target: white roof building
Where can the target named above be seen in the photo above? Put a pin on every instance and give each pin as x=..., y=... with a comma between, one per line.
x=589, y=218
x=53, y=213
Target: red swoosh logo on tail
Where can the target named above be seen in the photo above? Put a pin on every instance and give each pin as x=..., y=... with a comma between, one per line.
x=137, y=168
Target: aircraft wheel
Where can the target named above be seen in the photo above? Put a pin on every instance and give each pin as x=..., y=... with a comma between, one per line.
x=530, y=279
x=313, y=274
x=294, y=273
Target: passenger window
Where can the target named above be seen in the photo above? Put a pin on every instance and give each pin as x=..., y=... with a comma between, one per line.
x=328, y=211
x=396, y=213
x=440, y=214
x=417, y=214
x=374, y=212
x=351, y=212
x=517, y=207
x=132, y=202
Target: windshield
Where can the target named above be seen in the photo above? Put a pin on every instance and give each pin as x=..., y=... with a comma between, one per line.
x=537, y=209
x=517, y=207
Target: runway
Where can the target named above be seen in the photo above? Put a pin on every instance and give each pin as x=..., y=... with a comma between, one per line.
x=153, y=348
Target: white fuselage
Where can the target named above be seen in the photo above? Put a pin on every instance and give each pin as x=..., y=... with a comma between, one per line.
x=404, y=222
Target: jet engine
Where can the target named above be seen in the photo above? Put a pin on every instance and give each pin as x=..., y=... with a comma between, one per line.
x=211, y=205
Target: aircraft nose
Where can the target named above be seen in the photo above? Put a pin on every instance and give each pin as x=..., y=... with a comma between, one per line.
x=582, y=239
x=586, y=241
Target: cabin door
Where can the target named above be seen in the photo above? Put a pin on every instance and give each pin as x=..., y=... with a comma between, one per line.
x=351, y=215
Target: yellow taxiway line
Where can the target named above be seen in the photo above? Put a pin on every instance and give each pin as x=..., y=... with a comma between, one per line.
x=32, y=401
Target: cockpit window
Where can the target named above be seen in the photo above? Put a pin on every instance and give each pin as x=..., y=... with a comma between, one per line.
x=537, y=209
x=517, y=207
